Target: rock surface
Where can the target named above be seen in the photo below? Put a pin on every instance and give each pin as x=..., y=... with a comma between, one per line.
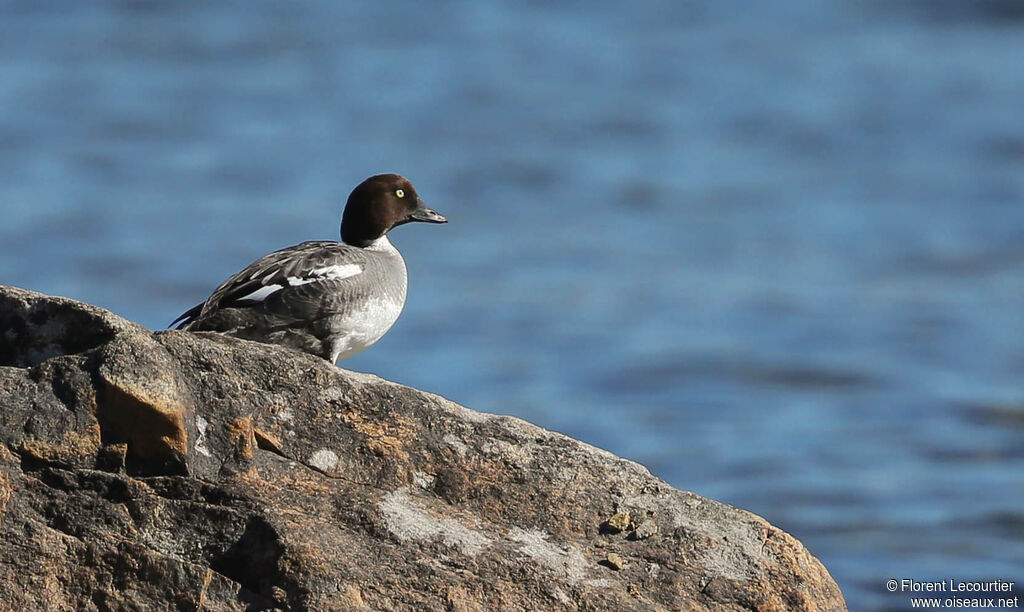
x=180, y=471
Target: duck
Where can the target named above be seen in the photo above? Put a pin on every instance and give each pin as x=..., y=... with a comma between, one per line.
x=327, y=298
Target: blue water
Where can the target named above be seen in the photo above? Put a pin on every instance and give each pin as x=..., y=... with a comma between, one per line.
x=774, y=251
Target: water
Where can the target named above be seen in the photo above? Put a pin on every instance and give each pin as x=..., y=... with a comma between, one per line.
x=773, y=252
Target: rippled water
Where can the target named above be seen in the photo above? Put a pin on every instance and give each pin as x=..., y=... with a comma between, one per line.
x=773, y=252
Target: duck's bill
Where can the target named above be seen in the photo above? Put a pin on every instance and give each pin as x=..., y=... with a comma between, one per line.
x=426, y=215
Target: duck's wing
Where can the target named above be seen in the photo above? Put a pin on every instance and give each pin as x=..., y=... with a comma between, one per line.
x=299, y=273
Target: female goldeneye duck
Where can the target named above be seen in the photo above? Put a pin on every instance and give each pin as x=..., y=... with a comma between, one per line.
x=331, y=299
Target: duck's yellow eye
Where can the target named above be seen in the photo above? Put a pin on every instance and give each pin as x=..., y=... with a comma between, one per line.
x=400, y=193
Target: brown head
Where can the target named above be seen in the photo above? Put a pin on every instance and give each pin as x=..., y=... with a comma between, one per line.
x=380, y=203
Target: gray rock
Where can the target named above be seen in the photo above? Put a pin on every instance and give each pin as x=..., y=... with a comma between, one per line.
x=181, y=471
x=644, y=530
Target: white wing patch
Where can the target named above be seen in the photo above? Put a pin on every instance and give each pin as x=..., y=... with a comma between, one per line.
x=336, y=272
x=260, y=294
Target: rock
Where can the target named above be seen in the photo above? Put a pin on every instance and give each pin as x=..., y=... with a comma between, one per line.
x=181, y=471
x=618, y=523
x=644, y=530
x=614, y=561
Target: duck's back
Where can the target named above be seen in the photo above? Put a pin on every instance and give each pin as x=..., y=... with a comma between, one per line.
x=323, y=297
